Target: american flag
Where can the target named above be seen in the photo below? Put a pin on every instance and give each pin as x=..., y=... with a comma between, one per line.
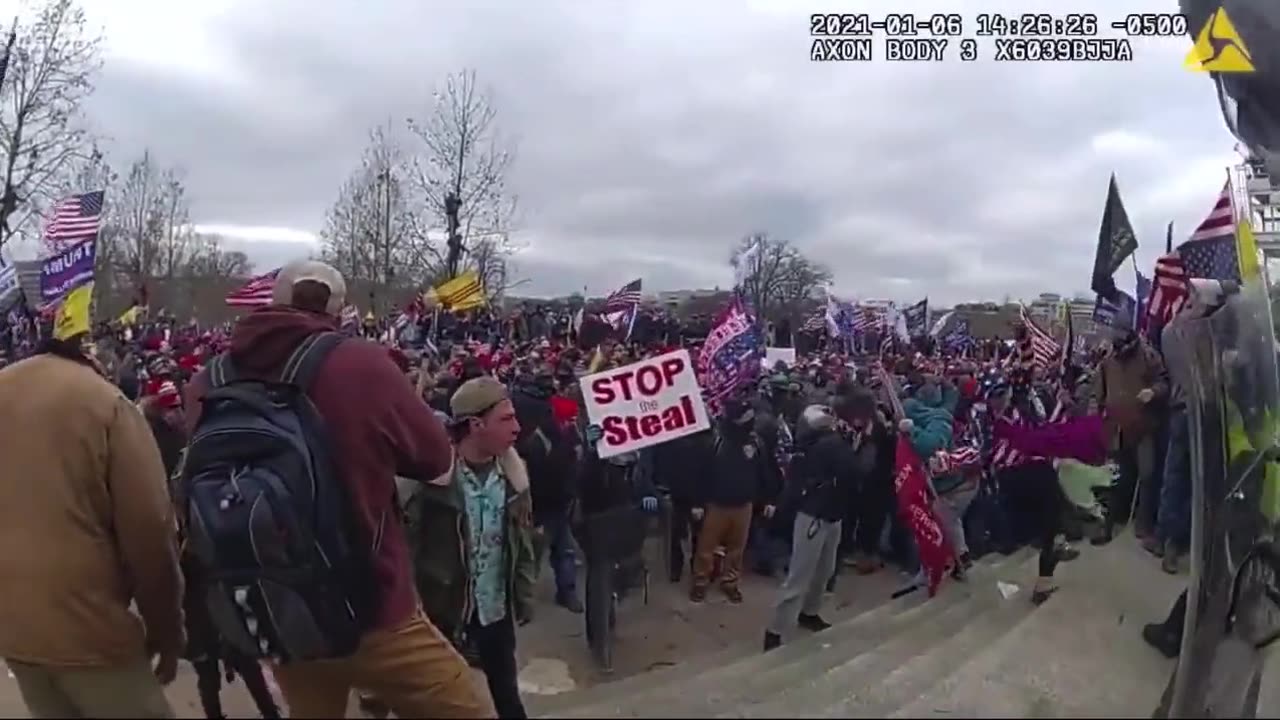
x=866, y=318
x=1043, y=348
x=624, y=297
x=74, y=219
x=1211, y=251
x=1168, y=293
x=255, y=293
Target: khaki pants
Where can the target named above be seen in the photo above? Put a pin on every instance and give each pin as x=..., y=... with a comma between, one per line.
x=130, y=691
x=727, y=526
x=413, y=670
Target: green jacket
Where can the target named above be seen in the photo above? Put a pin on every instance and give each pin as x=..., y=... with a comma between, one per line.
x=932, y=433
x=932, y=428
x=435, y=520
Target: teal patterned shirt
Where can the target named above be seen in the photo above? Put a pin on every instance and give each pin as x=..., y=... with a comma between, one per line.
x=486, y=505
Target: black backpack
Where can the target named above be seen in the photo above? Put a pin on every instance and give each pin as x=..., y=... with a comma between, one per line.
x=266, y=516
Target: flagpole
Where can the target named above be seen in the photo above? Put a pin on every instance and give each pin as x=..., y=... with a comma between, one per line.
x=1137, y=301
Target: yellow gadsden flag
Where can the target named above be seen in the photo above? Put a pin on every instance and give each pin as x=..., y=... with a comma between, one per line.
x=1219, y=48
x=464, y=292
x=130, y=316
x=73, y=315
x=1247, y=252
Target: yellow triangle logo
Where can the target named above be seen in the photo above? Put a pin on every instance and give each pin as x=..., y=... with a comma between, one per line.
x=1219, y=48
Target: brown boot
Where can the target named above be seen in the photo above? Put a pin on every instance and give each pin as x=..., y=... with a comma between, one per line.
x=733, y=593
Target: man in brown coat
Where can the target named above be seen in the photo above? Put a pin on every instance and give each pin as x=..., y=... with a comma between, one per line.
x=1132, y=389
x=87, y=530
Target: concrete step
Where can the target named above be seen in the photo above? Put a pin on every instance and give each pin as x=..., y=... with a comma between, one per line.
x=1079, y=655
x=718, y=684
x=603, y=697
x=949, y=651
x=822, y=692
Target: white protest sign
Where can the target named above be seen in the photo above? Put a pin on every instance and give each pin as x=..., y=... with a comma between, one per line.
x=645, y=403
x=773, y=356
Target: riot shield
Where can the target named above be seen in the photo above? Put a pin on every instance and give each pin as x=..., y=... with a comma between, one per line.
x=1226, y=364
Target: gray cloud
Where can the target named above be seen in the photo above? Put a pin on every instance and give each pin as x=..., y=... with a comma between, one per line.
x=653, y=136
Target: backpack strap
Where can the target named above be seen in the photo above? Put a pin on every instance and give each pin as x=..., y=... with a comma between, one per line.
x=302, y=365
x=221, y=371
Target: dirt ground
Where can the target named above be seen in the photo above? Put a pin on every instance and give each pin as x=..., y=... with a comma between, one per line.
x=553, y=652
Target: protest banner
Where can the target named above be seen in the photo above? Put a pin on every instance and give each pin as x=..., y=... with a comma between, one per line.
x=645, y=403
x=65, y=271
x=775, y=355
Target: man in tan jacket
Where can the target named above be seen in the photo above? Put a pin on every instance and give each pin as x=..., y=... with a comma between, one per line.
x=1132, y=389
x=87, y=529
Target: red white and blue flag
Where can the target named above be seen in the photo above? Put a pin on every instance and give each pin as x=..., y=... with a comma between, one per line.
x=1210, y=253
x=731, y=356
x=255, y=293
x=623, y=298
x=74, y=220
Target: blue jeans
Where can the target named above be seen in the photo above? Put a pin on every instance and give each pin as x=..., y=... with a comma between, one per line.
x=555, y=527
x=1174, y=521
x=767, y=550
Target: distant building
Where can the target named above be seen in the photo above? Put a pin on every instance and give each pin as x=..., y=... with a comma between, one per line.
x=679, y=297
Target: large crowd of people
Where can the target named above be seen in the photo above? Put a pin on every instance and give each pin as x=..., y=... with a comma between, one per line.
x=382, y=524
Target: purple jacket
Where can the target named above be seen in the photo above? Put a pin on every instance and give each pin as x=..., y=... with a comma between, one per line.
x=1078, y=438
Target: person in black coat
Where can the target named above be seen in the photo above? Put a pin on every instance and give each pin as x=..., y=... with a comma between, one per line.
x=677, y=464
x=867, y=430
x=549, y=456
x=822, y=477
x=741, y=476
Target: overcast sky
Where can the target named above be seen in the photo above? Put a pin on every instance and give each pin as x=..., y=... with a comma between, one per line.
x=652, y=135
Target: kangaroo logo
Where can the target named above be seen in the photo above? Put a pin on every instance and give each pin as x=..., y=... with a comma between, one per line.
x=1219, y=48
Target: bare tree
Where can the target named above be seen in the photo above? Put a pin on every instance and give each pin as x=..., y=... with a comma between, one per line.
x=489, y=257
x=209, y=258
x=368, y=231
x=347, y=236
x=50, y=73
x=177, y=237
x=153, y=237
x=776, y=276
x=461, y=155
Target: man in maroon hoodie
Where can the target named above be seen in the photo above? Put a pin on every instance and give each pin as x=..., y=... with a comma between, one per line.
x=378, y=428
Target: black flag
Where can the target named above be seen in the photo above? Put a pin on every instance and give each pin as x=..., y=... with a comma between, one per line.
x=1116, y=242
x=1168, y=239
